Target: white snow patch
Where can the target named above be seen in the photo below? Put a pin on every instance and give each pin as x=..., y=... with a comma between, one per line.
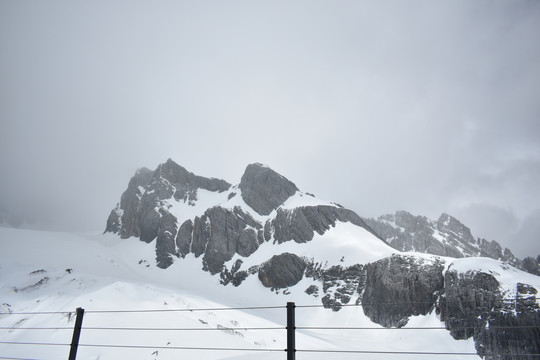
x=345, y=244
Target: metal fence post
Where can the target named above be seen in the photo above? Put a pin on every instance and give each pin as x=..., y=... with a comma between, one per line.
x=76, y=334
x=291, y=327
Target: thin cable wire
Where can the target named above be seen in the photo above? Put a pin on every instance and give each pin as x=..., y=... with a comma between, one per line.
x=185, y=310
x=412, y=328
x=32, y=343
x=36, y=328
x=186, y=329
x=271, y=328
x=180, y=347
x=261, y=307
x=402, y=352
x=147, y=328
x=37, y=313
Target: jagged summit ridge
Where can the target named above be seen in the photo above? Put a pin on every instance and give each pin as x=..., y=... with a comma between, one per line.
x=136, y=214
x=209, y=218
x=186, y=181
x=446, y=236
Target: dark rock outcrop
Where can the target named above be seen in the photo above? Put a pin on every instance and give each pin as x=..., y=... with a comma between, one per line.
x=124, y=218
x=219, y=234
x=137, y=213
x=165, y=246
x=530, y=265
x=171, y=180
x=143, y=210
x=468, y=298
x=264, y=190
x=507, y=329
x=234, y=276
x=399, y=287
x=300, y=224
x=282, y=271
x=341, y=283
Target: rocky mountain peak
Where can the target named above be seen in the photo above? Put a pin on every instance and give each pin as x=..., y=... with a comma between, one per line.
x=179, y=176
x=410, y=222
x=263, y=189
x=173, y=172
x=450, y=223
x=446, y=236
x=148, y=190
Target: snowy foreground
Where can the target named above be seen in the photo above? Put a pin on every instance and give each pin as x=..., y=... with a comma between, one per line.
x=59, y=272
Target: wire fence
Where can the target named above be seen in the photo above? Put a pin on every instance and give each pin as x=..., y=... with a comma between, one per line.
x=357, y=304
x=287, y=328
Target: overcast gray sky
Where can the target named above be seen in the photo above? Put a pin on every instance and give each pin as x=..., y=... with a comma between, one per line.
x=427, y=106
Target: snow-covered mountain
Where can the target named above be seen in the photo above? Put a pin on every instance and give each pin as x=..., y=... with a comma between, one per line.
x=222, y=224
x=446, y=236
x=208, y=245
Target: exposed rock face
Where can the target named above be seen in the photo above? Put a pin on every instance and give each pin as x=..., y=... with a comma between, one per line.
x=445, y=237
x=143, y=210
x=170, y=180
x=264, y=190
x=502, y=329
x=493, y=250
x=406, y=232
x=165, y=246
x=235, y=275
x=340, y=284
x=399, y=287
x=124, y=219
x=282, y=271
x=300, y=224
x=219, y=234
x=531, y=265
x=467, y=298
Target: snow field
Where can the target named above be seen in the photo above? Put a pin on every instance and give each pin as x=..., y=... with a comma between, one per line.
x=58, y=272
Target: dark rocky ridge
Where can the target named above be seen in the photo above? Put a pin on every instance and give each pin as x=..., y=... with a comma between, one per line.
x=406, y=232
x=472, y=306
x=221, y=233
x=300, y=224
x=399, y=287
x=218, y=235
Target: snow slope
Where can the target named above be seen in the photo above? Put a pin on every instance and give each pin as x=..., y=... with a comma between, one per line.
x=58, y=272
